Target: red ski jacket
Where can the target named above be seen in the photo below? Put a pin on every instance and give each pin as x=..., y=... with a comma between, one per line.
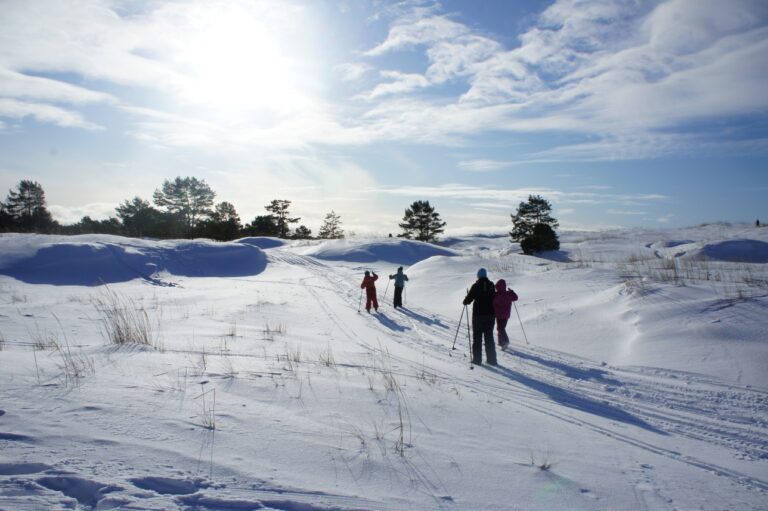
x=502, y=302
x=368, y=282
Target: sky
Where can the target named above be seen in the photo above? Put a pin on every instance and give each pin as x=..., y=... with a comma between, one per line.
x=621, y=113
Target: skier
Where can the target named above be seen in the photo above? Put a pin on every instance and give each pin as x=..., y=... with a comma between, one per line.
x=370, y=290
x=482, y=293
x=400, y=279
x=502, y=307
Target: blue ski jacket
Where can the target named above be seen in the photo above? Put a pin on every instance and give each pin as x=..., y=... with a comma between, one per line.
x=400, y=279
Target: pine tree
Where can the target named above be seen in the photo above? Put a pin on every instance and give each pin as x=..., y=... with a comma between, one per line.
x=263, y=225
x=331, y=228
x=26, y=207
x=87, y=225
x=6, y=219
x=279, y=210
x=302, y=232
x=188, y=198
x=421, y=222
x=224, y=224
x=533, y=226
x=139, y=219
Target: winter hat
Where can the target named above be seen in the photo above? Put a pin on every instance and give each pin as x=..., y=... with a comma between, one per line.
x=481, y=273
x=367, y=273
x=400, y=268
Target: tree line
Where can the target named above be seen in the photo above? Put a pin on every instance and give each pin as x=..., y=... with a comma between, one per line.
x=186, y=208
x=181, y=208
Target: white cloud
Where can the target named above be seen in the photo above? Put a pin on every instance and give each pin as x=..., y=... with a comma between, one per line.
x=44, y=113
x=209, y=60
x=70, y=215
x=483, y=165
x=629, y=74
x=25, y=87
x=418, y=28
x=400, y=83
x=353, y=71
x=623, y=212
x=635, y=79
x=516, y=195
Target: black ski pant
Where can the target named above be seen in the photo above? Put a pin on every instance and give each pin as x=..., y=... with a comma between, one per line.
x=398, y=297
x=482, y=333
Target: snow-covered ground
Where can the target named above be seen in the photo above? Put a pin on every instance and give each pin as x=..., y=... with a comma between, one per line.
x=638, y=382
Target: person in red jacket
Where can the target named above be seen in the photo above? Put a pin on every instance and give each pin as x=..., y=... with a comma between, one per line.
x=502, y=307
x=370, y=291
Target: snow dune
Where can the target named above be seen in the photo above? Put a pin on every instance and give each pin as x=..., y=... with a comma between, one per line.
x=636, y=378
x=739, y=251
x=91, y=260
x=395, y=251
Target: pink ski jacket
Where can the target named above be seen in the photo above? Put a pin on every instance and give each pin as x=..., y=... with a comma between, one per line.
x=502, y=302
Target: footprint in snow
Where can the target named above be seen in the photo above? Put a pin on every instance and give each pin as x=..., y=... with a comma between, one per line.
x=86, y=492
x=16, y=469
x=167, y=486
x=13, y=437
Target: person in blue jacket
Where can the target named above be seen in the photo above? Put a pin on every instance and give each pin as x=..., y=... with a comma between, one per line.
x=400, y=279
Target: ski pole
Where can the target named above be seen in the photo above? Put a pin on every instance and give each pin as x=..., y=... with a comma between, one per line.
x=521, y=323
x=469, y=341
x=458, y=327
x=385, y=291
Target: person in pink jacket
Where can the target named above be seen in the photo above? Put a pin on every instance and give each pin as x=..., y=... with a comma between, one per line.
x=502, y=307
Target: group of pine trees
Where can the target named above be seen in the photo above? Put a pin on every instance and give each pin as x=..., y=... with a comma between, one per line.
x=181, y=208
x=185, y=208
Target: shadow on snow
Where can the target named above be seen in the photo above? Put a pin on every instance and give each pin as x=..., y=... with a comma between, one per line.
x=93, y=264
x=571, y=400
x=422, y=318
x=389, y=323
x=575, y=373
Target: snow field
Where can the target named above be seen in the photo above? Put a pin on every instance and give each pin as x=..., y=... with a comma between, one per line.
x=637, y=391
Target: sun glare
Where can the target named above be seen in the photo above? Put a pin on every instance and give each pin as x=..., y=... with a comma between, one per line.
x=236, y=62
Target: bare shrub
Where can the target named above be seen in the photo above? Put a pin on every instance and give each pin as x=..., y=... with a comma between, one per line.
x=208, y=412
x=123, y=320
x=543, y=461
x=42, y=341
x=73, y=366
x=394, y=389
x=271, y=330
x=326, y=358
x=292, y=358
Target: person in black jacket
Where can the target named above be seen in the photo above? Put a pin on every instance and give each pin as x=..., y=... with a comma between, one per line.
x=483, y=318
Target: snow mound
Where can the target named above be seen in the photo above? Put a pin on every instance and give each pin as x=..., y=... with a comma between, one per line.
x=404, y=252
x=262, y=242
x=477, y=242
x=738, y=251
x=670, y=243
x=95, y=259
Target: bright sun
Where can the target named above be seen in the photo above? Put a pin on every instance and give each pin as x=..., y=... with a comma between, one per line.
x=239, y=61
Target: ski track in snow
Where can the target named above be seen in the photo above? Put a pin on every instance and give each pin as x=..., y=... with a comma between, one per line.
x=665, y=402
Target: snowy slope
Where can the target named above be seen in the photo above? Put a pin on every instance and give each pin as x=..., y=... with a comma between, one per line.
x=641, y=385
